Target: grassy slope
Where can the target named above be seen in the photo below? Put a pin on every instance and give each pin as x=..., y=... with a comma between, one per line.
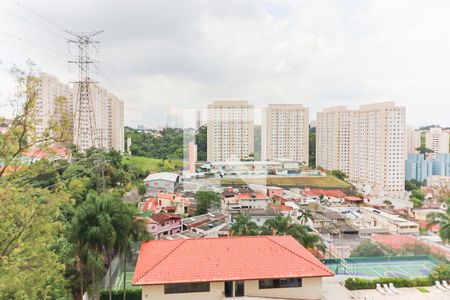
x=153, y=164
x=320, y=182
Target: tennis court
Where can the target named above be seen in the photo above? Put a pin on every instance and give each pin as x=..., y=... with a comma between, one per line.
x=118, y=282
x=398, y=266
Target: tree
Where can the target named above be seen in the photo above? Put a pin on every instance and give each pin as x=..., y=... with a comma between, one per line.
x=305, y=216
x=205, y=201
x=440, y=272
x=424, y=150
x=201, y=139
x=244, y=226
x=443, y=220
x=339, y=174
x=367, y=249
x=282, y=225
x=312, y=149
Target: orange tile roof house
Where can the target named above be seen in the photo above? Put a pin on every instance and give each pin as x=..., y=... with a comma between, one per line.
x=214, y=268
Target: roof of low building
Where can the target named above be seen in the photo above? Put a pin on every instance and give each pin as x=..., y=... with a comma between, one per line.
x=329, y=193
x=162, y=217
x=223, y=259
x=172, y=177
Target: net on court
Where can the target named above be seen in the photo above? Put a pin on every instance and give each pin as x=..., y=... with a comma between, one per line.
x=398, y=266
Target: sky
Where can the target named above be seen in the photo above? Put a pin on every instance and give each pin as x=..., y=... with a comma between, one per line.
x=168, y=57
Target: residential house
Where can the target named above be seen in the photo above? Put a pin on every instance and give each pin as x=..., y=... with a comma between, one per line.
x=258, y=215
x=217, y=268
x=164, y=182
x=163, y=224
x=245, y=200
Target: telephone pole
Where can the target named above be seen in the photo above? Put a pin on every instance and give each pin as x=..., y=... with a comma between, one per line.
x=85, y=132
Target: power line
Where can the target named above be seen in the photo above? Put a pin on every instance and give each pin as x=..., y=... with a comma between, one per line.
x=35, y=13
x=85, y=133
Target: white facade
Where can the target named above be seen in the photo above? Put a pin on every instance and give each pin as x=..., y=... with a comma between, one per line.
x=333, y=130
x=285, y=133
x=230, y=130
x=437, y=140
x=52, y=95
x=368, y=144
x=107, y=117
x=412, y=140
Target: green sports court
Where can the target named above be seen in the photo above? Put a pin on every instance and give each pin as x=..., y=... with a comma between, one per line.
x=396, y=266
x=118, y=281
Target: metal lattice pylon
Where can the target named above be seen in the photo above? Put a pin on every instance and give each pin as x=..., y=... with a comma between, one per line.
x=85, y=133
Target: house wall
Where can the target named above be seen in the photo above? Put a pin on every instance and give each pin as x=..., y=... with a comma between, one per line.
x=311, y=289
x=150, y=292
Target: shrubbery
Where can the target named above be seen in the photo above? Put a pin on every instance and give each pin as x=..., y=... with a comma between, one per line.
x=132, y=294
x=361, y=283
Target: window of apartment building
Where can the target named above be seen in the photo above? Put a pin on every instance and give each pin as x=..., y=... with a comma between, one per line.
x=280, y=283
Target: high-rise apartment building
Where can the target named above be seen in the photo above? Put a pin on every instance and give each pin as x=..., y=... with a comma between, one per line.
x=437, y=140
x=378, y=147
x=105, y=127
x=230, y=130
x=333, y=130
x=285, y=133
x=368, y=144
x=412, y=140
x=53, y=98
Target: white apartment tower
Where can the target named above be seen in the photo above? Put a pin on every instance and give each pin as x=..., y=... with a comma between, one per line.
x=285, y=133
x=412, y=140
x=53, y=96
x=378, y=147
x=437, y=140
x=368, y=144
x=333, y=130
x=107, y=118
x=230, y=130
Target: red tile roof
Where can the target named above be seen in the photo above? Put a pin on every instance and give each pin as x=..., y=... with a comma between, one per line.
x=249, y=196
x=353, y=198
x=162, y=217
x=328, y=193
x=150, y=204
x=222, y=259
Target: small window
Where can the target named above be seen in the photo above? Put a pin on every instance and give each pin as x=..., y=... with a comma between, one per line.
x=178, y=288
x=280, y=283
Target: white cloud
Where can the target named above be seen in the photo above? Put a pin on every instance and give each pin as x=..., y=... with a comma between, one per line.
x=184, y=54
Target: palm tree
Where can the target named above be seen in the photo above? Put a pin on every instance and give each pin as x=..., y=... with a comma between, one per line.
x=443, y=220
x=135, y=231
x=278, y=226
x=424, y=150
x=305, y=216
x=244, y=226
x=282, y=226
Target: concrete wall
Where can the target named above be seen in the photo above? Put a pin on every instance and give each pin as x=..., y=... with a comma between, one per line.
x=311, y=289
x=152, y=292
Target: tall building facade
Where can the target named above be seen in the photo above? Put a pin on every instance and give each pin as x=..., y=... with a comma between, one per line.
x=53, y=98
x=368, y=144
x=412, y=140
x=285, y=133
x=333, y=130
x=418, y=168
x=437, y=140
x=378, y=147
x=230, y=130
x=105, y=129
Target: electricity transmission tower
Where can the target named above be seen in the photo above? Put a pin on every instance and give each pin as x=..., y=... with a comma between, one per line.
x=85, y=132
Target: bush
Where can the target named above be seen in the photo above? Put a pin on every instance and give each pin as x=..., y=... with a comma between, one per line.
x=361, y=283
x=132, y=294
x=441, y=272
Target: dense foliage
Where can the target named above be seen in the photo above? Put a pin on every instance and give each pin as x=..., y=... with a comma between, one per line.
x=206, y=200
x=280, y=225
x=62, y=221
x=164, y=144
x=132, y=294
x=362, y=283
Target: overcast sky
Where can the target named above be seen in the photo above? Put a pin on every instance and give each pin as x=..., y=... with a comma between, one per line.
x=161, y=57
